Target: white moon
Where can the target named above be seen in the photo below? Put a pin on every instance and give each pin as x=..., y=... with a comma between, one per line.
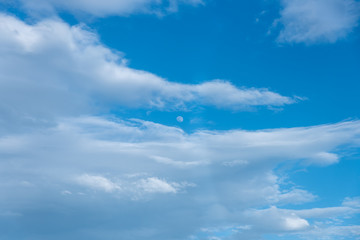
x=180, y=119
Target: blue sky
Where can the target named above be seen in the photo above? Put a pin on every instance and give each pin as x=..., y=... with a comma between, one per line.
x=179, y=119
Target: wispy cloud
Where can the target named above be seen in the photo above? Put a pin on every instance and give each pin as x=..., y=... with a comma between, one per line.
x=313, y=21
x=107, y=7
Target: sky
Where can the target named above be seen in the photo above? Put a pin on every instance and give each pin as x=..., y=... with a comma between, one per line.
x=179, y=119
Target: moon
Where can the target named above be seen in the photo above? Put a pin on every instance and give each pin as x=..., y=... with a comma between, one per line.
x=180, y=119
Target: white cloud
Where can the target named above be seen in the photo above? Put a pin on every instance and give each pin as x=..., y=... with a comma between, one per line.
x=173, y=147
x=133, y=187
x=288, y=224
x=108, y=7
x=130, y=147
x=98, y=182
x=224, y=94
x=294, y=222
x=65, y=71
x=273, y=220
x=296, y=196
x=326, y=158
x=154, y=185
x=313, y=21
x=180, y=164
x=330, y=212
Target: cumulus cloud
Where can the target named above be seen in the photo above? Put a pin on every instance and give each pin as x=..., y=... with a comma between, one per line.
x=108, y=7
x=65, y=71
x=312, y=21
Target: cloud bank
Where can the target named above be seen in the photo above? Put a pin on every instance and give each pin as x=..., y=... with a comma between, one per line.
x=211, y=179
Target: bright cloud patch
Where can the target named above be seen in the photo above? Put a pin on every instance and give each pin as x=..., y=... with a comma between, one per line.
x=312, y=21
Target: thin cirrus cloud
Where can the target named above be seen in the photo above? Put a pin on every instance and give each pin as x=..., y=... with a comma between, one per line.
x=108, y=7
x=66, y=70
x=315, y=21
